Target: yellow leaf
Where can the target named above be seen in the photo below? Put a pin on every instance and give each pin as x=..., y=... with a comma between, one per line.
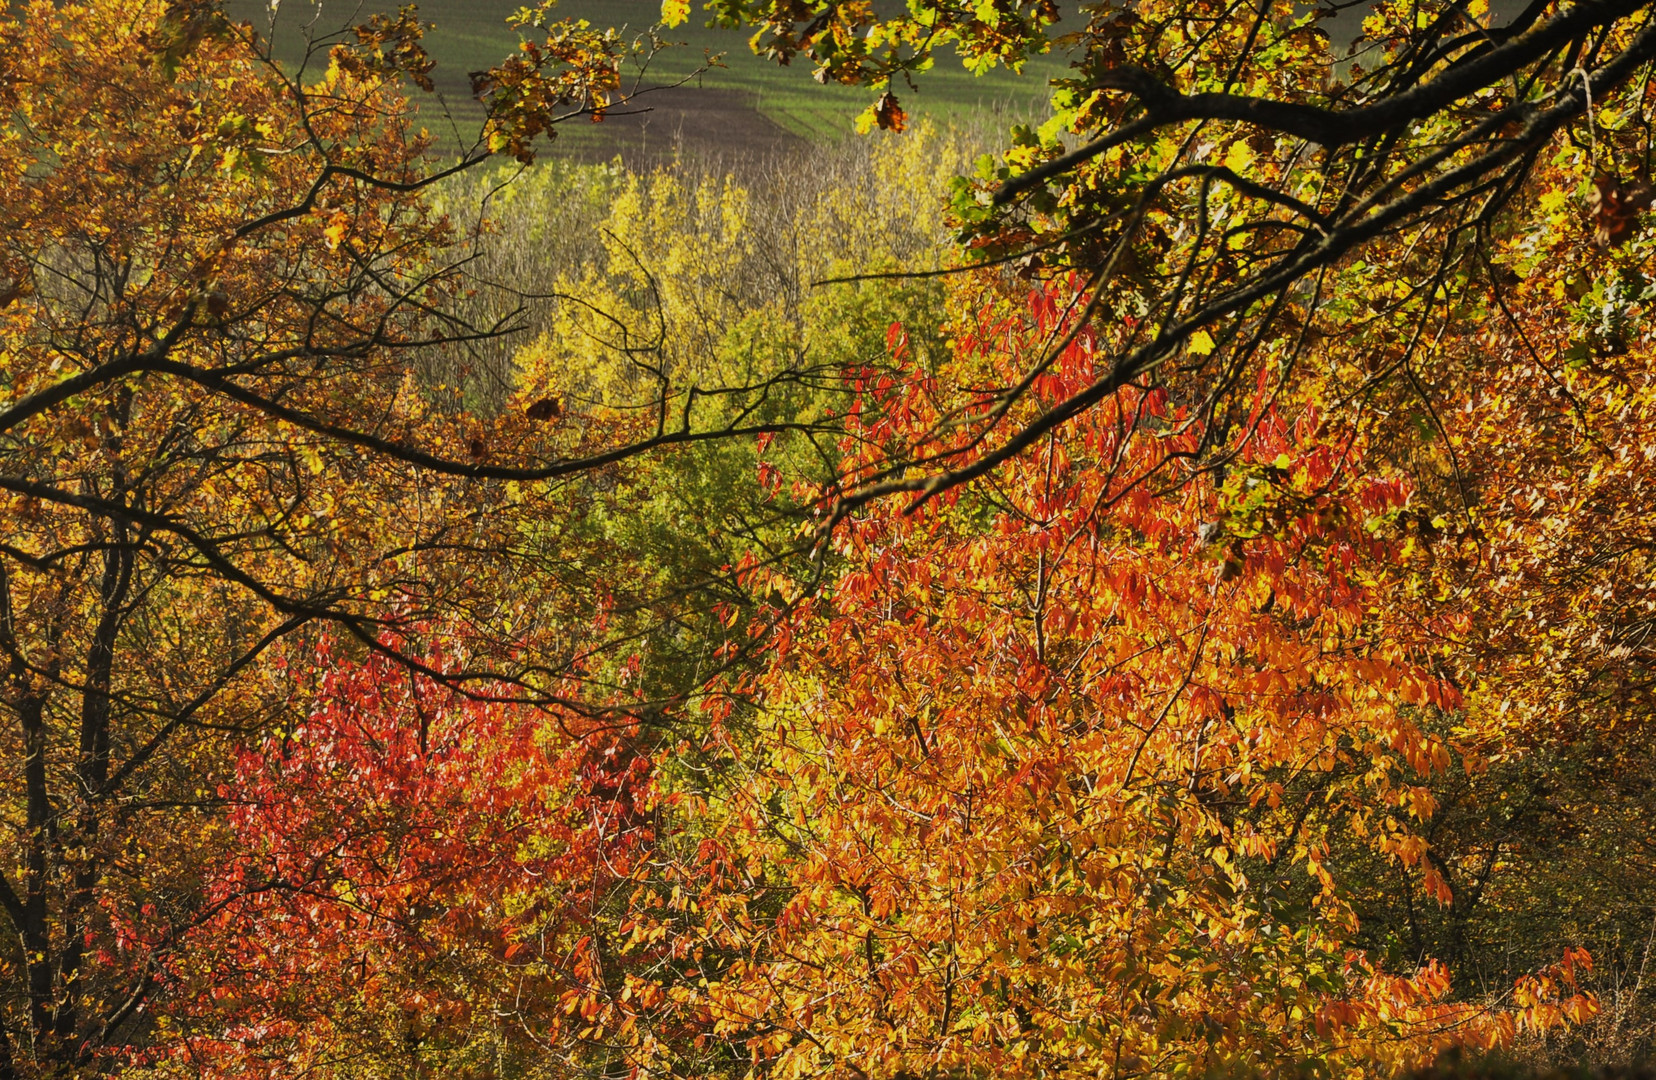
x=338, y=226
x=1201, y=343
x=675, y=12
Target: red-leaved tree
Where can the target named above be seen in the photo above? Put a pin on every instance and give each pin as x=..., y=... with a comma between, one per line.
x=406, y=884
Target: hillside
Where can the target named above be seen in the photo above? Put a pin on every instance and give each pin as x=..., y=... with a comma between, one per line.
x=742, y=103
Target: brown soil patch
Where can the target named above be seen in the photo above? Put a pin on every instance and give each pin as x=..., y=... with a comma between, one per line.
x=683, y=121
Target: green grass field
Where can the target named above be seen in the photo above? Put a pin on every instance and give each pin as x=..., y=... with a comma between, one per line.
x=472, y=34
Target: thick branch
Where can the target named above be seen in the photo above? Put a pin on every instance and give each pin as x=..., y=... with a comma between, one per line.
x=1362, y=225
x=1163, y=105
x=218, y=383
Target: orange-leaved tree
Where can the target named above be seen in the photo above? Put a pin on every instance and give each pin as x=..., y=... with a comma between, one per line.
x=1431, y=221
x=1056, y=775
x=1525, y=414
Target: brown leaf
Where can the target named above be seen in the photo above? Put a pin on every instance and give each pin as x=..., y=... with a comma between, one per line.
x=888, y=114
x=1616, y=209
x=547, y=408
x=77, y=429
x=1231, y=568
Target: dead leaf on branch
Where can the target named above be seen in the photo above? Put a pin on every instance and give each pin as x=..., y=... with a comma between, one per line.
x=888, y=114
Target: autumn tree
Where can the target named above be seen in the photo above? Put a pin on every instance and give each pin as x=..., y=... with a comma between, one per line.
x=218, y=279
x=1430, y=240
x=413, y=884
x=1530, y=421
x=1059, y=774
